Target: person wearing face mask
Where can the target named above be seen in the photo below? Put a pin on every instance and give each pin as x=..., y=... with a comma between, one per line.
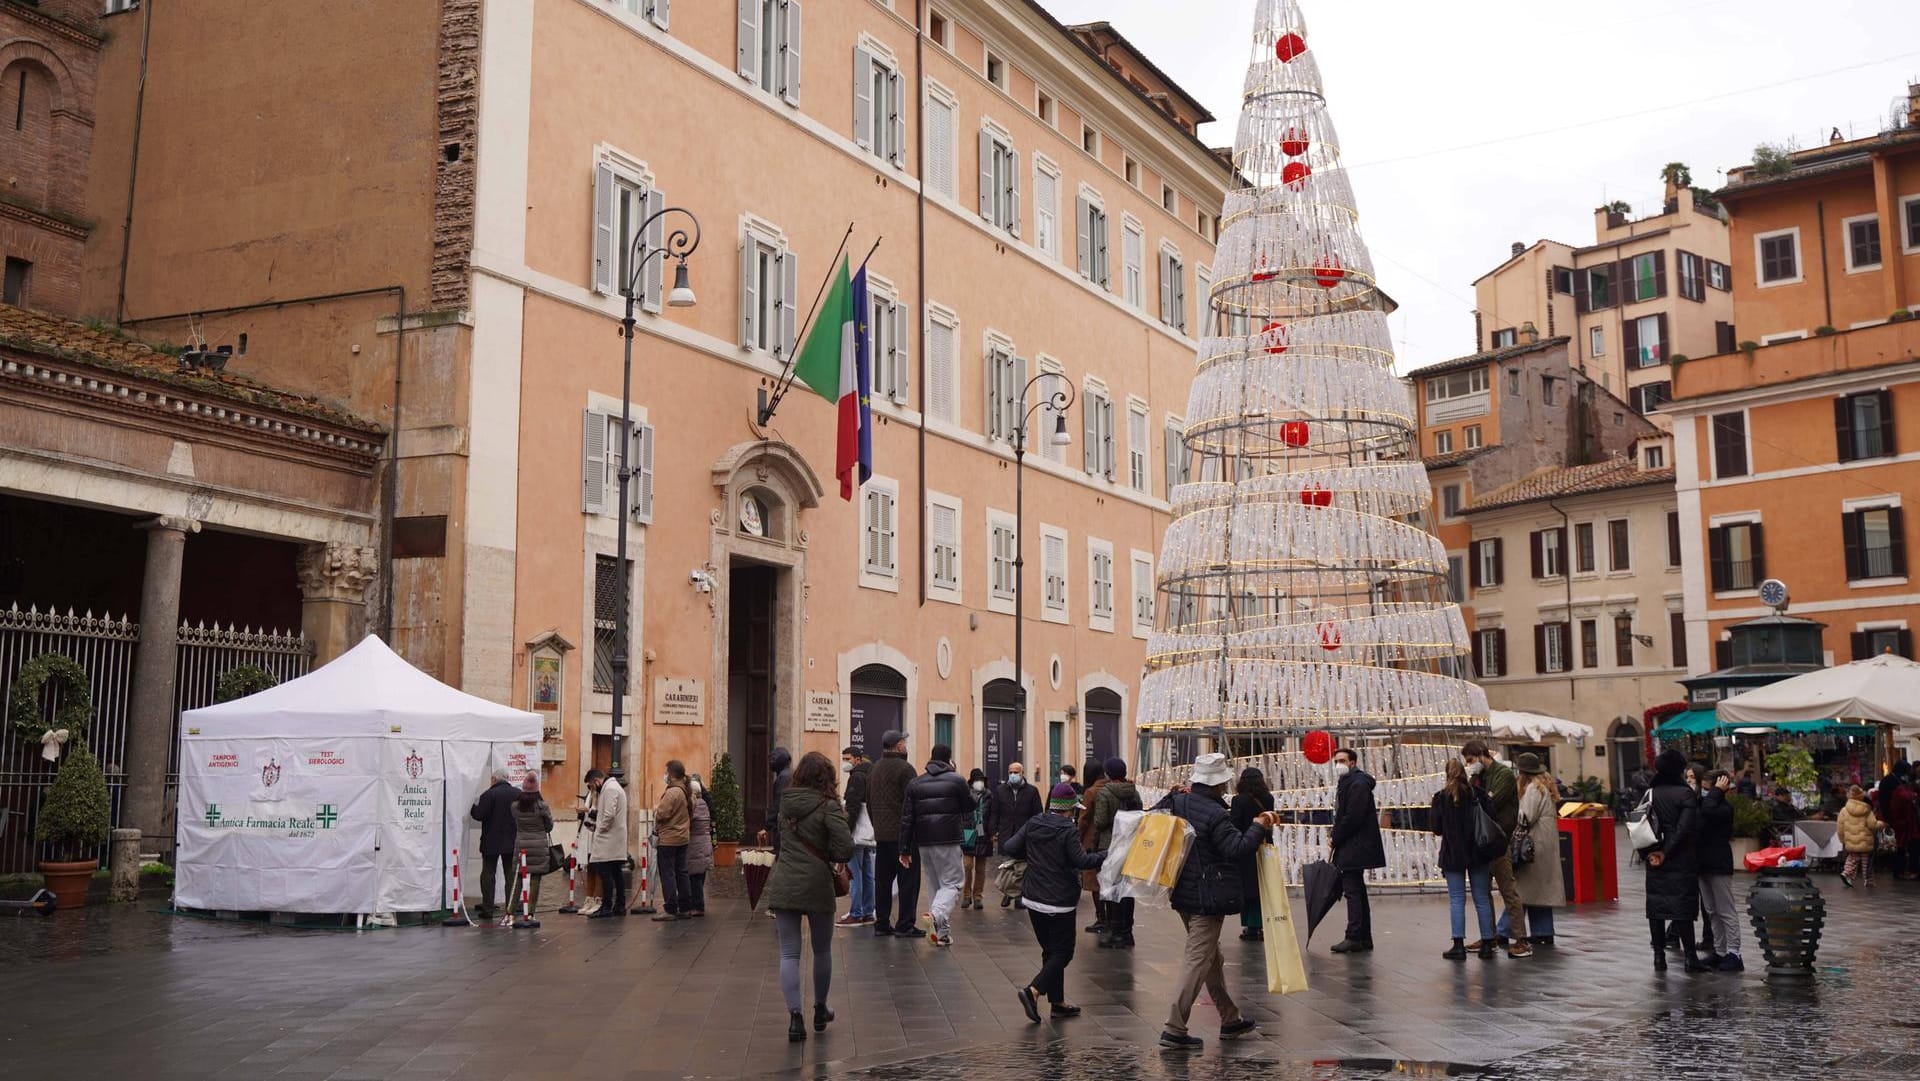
x=1014, y=802
x=1355, y=846
x=700, y=847
x=857, y=771
x=673, y=832
x=1071, y=779
x=1715, y=861
x=977, y=848
x=1503, y=803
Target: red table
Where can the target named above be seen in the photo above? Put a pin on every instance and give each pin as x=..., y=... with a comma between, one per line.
x=1587, y=859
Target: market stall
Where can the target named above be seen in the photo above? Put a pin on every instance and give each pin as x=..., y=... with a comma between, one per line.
x=343, y=791
x=1884, y=690
x=1535, y=731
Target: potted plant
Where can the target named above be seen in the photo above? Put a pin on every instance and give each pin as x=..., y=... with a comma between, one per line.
x=729, y=821
x=1824, y=332
x=1752, y=827
x=1900, y=315
x=75, y=819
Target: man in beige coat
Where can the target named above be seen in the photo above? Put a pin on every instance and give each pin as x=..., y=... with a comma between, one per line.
x=673, y=831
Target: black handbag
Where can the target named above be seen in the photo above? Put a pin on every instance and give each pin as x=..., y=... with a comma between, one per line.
x=1520, y=849
x=1489, y=841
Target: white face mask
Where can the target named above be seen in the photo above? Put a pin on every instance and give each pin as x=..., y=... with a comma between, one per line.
x=1340, y=769
x=1474, y=768
x=979, y=786
x=1015, y=779
x=698, y=788
x=1066, y=778
x=846, y=766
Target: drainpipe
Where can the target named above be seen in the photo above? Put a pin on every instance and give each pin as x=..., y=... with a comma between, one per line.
x=920, y=252
x=1566, y=576
x=1826, y=285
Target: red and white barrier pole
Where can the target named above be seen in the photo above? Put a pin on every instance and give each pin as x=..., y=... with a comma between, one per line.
x=645, y=907
x=458, y=916
x=526, y=920
x=571, y=906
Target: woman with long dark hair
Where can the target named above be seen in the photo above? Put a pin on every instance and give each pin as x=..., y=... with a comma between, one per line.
x=1461, y=862
x=1673, y=878
x=1251, y=799
x=815, y=836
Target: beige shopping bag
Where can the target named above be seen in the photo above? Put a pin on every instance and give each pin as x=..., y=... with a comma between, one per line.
x=1158, y=851
x=1286, y=971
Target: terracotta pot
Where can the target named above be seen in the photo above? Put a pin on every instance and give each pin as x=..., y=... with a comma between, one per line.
x=68, y=881
x=724, y=853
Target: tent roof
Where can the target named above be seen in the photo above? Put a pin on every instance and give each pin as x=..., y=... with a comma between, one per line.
x=1515, y=724
x=1884, y=688
x=367, y=691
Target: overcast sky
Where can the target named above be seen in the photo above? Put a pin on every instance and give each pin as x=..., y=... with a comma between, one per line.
x=1620, y=89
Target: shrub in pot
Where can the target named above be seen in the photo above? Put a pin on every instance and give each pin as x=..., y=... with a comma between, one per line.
x=75, y=819
x=1752, y=827
x=729, y=819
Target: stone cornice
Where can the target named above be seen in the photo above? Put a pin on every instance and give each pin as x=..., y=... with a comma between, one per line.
x=43, y=221
x=36, y=17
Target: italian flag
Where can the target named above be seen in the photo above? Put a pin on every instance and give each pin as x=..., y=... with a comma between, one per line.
x=837, y=363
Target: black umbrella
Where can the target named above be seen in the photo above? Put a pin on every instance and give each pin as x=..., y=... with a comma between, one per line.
x=1320, y=881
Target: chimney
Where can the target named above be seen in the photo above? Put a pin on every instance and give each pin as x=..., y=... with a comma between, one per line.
x=1913, y=105
x=1519, y=247
x=1672, y=197
x=1529, y=333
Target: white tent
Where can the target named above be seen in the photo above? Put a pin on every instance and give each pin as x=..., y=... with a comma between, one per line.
x=342, y=791
x=1884, y=689
x=1516, y=726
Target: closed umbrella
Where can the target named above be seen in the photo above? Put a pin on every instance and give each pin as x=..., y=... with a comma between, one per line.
x=1321, y=884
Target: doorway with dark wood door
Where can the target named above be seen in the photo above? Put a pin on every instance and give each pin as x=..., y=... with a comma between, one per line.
x=877, y=704
x=1000, y=744
x=1103, y=724
x=752, y=596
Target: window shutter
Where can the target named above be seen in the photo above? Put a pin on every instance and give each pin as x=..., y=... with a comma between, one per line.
x=871, y=530
x=1083, y=226
x=1539, y=553
x=888, y=529
x=1473, y=565
x=1479, y=656
x=897, y=117
x=986, y=176
x=1180, y=297
x=1500, y=651
x=661, y=13
x=604, y=259
x=1539, y=647
x=1677, y=631
x=1630, y=342
x=900, y=351
x=749, y=291
x=863, y=98
x=789, y=297
x=1850, y=540
x=1015, y=399
x=1719, y=572
x=653, y=276
x=642, y=490
x=1666, y=340
x=1090, y=443
x=790, y=53
x=1759, y=554
x=1887, y=448
x=593, y=463
x=1100, y=229
x=995, y=406
x=940, y=148
x=1861, y=645
x=1170, y=447
x=1580, y=297
x=1499, y=561
x=1897, y=541
x=748, y=47
x=1906, y=644
x=1013, y=192
x=1659, y=273
x=940, y=374
x=1166, y=288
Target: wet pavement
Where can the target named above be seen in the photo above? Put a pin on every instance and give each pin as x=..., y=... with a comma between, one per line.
x=129, y=992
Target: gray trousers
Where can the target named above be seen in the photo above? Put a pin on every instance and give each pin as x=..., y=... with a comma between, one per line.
x=1200, y=967
x=1716, y=894
x=943, y=867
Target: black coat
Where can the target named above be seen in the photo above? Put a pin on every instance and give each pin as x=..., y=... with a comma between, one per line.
x=937, y=807
x=982, y=822
x=494, y=811
x=1356, y=825
x=1673, y=888
x=1012, y=806
x=1455, y=825
x=886, y=791
x=1209, y=882
x=1241, y=812
x=1050, y=843
x=1716, y=834
x=856, y=797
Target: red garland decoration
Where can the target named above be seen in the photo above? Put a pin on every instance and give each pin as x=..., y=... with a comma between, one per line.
x=1295, y=174
x=1294, y=143
x=1329, y=636
x=1289, y=46
x=1328, y=272
x=1294, y=433
x=1317, y=746
x=1315, y=496
x=1263, y=274
x=1278, y=338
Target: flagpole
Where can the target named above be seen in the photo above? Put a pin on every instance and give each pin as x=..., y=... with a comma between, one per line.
x=785, y=382
x=785, y=378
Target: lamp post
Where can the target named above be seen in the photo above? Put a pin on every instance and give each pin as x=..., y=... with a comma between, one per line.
x=1058, y=401
x=679, y=245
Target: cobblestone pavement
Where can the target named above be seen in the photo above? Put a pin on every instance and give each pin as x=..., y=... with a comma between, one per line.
x=128, y=992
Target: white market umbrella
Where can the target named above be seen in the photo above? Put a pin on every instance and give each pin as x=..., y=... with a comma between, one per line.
x=1518, y=726
x=1884, y=688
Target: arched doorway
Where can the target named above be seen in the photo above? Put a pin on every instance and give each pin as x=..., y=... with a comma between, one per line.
x=1000, y=727
x=1103, y=724
x=876, y=705
x=1625, y=745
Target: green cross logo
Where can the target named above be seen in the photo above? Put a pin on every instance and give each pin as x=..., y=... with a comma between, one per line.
x=213, y=814
x=327, y=816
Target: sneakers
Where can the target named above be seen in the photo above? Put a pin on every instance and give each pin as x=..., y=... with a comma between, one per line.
x=1520, y=949
x=849, y=920
x=1350, y=946
x=1176, y=1042
x=940, y=938
x=1730, y=962
x=1846, y=880
x=1238, y=1029
x=589, y=906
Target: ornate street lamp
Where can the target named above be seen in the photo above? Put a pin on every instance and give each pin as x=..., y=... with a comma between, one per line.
x=1059, y=401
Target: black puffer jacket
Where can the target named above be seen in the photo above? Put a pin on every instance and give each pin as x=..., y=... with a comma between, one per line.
x=1050, y=843
x=937, y=807
x=1356, y=825
x=1209, y=882
x=1673, y=888
x=1716, y=833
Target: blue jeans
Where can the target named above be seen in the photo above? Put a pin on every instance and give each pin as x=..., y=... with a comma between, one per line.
x=1539, y=921
x=1480, y=875
x=860, y=893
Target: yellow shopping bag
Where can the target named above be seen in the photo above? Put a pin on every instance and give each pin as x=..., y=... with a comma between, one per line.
x=1158, y=851
x=1286, y=972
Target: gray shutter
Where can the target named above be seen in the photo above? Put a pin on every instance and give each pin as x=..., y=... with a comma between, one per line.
x=789, y=299
x=1179, y=296
x=1108, y=449
x=897, y=118
x=996, y=389
x=790, y=54
x=1013, y=192
x=654, y=267
x=1083, y=225
x=1090, y=432
x=605, y=258
x=888, y=527
x=872, y=530
x=1014, y=394
x=986, y=176
x=942, y=342
x=902, y=352
x=749, y=290
x=1101, y=228
x=593, y=463
x=661, y=13
x=640, y=487
x=1166, y=288
x=748, y=47
x=863, y=98
x=1170, y=448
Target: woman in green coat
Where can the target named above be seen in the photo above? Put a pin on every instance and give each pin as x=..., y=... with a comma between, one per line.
x=814, y=828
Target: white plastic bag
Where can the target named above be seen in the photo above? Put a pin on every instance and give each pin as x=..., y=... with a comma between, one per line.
x=1146, y=866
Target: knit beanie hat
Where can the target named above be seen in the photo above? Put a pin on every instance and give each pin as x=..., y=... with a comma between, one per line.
x=1116, y=769
x=1062, y=798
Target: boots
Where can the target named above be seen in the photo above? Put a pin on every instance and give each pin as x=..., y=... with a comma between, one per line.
x=1659, y=933
x=821, y=1015
x=1102, y=919
x=1687, y=949
x=796, y=1027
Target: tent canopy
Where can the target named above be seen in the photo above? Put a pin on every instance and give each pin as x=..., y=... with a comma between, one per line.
x=367, y=691
x=1693, y=722
x=1515, y=725
x=1884, y=688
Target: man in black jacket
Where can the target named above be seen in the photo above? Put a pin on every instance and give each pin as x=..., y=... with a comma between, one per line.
x=886, y=791
x=933, y=818
x=855, y=765
x=781, y=763
x=494, y=811
x=1014, y=801
x=1355, y=846
x=1207, y=892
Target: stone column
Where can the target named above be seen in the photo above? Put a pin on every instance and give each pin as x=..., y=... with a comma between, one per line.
x=150, y=717
x=333, y=596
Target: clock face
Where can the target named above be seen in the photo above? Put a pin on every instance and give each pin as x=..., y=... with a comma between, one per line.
x=1773, y=593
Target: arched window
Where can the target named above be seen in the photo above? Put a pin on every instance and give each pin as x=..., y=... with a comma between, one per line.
x=26, y=130
x=876, y=705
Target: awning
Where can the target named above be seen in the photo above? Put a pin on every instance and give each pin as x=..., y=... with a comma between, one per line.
x=1534, y=728
x=1693, y=722
x=1704, y=722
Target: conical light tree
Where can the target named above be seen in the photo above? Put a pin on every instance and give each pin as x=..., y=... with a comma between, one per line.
x=1298, y=590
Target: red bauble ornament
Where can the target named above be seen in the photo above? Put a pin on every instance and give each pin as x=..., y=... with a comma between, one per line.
x=1329, y=636
x=1315, y=496
x=1294, y=143
x=1318, y=747
x=1294, y=433
x=1295, y=174
x=1277, y=337
x=1289, y=46
x=1328, y=271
